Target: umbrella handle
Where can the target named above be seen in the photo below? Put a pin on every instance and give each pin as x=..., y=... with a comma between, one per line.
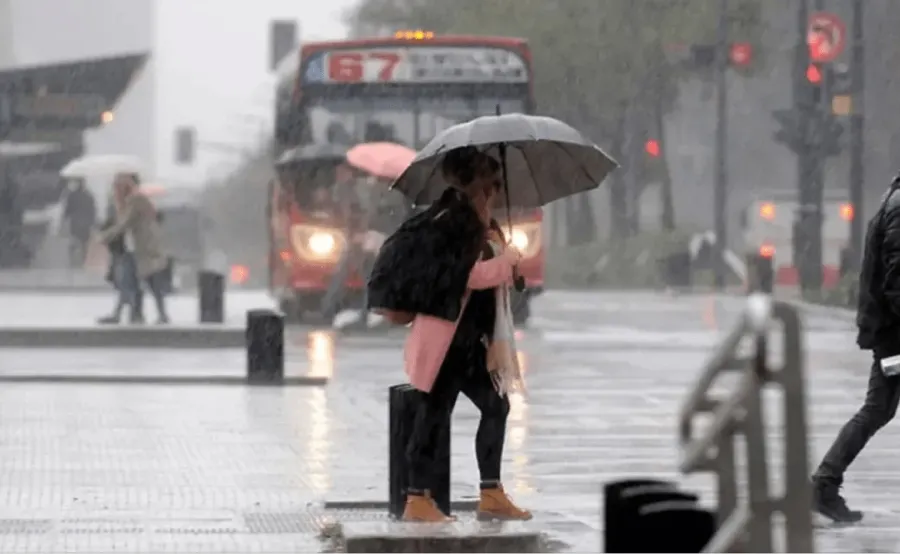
x=518, y=280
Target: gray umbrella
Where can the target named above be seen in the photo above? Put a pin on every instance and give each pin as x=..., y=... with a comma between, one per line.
x=545, y=159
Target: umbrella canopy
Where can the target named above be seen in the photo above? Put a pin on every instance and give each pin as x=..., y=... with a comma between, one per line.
x=318, y=152
x=546, y=159
x=103, y=165
x=386, y=160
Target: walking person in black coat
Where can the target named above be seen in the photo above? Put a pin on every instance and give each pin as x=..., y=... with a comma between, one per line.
x=878, y=320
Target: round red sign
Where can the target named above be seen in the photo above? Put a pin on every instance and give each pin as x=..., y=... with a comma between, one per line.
x=826, y=36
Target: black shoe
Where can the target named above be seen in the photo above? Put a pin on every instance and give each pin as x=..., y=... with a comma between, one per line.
x=162, y=320
x=827, y=500
x=108, y=320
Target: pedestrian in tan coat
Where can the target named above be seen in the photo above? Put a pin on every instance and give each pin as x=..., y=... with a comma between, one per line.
x=136, y=220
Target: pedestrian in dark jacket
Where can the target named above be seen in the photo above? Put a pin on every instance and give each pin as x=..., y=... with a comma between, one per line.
x=878, y=321
x=81, y=215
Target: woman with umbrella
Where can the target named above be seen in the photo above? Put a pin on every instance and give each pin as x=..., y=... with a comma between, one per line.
x=468, y=278
x=447, y=271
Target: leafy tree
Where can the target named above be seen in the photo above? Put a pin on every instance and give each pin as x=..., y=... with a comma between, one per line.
x=594, y=60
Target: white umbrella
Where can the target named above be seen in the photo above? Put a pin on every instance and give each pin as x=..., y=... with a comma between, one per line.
x=101, y=165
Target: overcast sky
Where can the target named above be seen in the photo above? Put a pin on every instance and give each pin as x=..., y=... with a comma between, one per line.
x=209, y=66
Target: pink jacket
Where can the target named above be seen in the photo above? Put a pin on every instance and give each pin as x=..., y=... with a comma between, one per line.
x=429, y=337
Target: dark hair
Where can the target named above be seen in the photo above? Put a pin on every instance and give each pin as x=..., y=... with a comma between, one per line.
x=464, y=164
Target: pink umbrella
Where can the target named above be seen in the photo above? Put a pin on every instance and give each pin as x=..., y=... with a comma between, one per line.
x=385, y=160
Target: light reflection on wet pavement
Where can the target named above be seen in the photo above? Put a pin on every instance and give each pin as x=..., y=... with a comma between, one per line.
x=149, y=468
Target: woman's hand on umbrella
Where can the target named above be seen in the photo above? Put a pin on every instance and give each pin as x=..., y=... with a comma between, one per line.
x=512, y=255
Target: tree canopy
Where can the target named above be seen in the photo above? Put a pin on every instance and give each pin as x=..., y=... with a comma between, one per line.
x=591, y=57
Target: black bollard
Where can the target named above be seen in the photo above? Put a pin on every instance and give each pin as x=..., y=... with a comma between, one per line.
x=674, y=526
x=402, y=406
x=623, y=501
x=265, y=346
x=211, y=291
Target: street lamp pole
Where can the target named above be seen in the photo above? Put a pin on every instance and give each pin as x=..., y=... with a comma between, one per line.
x=720, y=192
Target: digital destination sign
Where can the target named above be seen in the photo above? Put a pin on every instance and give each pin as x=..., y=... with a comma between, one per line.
x=416, y=64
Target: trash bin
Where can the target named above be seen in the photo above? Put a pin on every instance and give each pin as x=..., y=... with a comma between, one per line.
x=211, y=292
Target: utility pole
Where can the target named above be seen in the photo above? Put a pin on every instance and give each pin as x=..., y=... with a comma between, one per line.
x=720, y=192
x=857, y=134
x=805, y=108
x=812, y=208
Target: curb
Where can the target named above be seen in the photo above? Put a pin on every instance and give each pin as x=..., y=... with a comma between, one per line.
x=167, y=380
x=845, y=314
x=211, y=336
x=461, y=505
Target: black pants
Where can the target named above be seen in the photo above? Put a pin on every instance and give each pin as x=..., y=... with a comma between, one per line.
x=466, y=373
x=878, y=409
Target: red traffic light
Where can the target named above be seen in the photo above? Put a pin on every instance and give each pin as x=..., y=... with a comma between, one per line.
x=741, y=54
x=652, y=148
x=814, y=74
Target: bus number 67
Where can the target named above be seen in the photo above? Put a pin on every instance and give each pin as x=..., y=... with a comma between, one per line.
x=350, y=67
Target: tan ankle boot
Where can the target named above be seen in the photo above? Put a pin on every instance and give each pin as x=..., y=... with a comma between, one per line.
x=495, y=504
x=422, y=508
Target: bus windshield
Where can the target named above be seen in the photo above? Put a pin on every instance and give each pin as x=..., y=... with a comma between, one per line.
x=407, y=120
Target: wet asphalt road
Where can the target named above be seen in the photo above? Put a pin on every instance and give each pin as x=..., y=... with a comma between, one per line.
x=97, y=468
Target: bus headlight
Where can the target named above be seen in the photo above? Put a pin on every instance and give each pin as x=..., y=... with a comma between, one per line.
x=526, y=238
x=321, y=244
x=312, y=242
x=519, y=239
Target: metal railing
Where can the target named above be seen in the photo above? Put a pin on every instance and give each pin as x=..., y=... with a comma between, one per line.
x=746, y=521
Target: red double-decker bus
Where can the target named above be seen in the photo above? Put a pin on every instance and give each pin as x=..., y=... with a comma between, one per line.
x=401, y=89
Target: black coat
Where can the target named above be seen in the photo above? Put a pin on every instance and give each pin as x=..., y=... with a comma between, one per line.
x=878, y=305
x=424, y=267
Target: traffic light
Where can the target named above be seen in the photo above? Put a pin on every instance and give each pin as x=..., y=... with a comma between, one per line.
x=823, y=131
x=740, y=55
x=815, y=77
x=654, y=166
x=789, y=129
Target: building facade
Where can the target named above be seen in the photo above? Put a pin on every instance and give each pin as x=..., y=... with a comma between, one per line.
x=35, y=32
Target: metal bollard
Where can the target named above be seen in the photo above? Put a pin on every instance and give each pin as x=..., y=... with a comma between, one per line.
x=211, y=292
x=265, y=347
x=403, y=401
